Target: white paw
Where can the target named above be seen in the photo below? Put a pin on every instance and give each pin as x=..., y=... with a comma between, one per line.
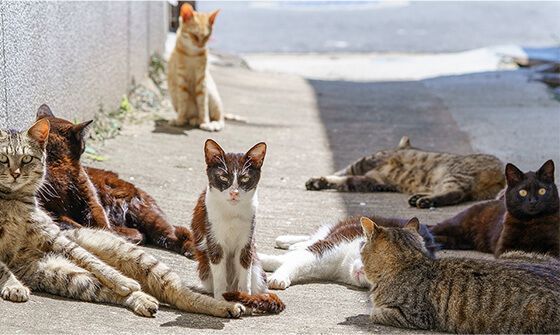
x=285, y=241
x=211, y=126
x=16, y=293
x=142, y=304
x=278, y=282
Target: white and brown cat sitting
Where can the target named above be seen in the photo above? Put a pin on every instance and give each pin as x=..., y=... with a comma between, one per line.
x=193, y=92
x=434, y=178
x=223, y=226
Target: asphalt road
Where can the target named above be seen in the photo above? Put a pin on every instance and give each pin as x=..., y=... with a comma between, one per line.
x=381, y=26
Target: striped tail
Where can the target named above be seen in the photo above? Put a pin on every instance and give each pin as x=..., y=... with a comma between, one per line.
x=261, y=303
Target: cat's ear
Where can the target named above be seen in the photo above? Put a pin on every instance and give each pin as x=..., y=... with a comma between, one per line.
x=187, y=12
x=256, y=154
x=39, y=131
x=213, y=16
x=413, y=224
x=213, y=152
x=546, y=172
x=44, y=111
x=404, y=143
x=81, y=129
x=513, y=175
x=369, y=227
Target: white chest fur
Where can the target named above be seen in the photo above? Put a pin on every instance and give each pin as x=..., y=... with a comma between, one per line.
x=231, y=224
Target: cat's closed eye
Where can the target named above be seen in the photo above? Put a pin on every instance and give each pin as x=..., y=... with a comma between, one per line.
x=195, y=37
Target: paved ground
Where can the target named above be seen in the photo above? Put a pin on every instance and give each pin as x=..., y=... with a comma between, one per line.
x=312, y=127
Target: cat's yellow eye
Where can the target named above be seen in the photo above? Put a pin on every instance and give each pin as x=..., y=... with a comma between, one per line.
x=4, y=159
x=523, y=193
x=542, y=191
x=26, y=159
x=223, y=178
x=244, y=179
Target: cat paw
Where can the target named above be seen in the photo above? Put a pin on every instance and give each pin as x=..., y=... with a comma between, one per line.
x=211, y=126
x=232, y=310
x=16, y=293
x=278, y=282
x=413, y=201
x=425, y=203
x=316, y=184
x=126, y=286
x=142, y=304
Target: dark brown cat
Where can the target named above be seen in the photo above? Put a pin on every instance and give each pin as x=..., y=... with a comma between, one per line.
x=223, y=226
x=77, y=196
x=528, y=219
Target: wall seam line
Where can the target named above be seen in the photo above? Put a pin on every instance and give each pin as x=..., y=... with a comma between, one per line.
x=4, y=69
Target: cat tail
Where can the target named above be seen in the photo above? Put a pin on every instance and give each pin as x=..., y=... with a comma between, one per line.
x=261, y=303
x=235, y=117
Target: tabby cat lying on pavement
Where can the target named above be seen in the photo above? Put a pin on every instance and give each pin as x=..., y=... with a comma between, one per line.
x=518, y=293
x=434, y=178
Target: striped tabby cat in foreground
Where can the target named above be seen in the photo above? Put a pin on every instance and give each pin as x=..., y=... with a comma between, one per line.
x=193, y=92
x=84, y=264
x=518, y=293
x=434, y=178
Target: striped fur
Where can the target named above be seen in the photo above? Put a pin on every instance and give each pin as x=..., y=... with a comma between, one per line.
x=518, y=293
x=193, y=92
x=84, y=264
x=434, y=178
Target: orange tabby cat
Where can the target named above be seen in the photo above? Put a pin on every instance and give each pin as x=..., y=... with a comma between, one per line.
x=192, y=89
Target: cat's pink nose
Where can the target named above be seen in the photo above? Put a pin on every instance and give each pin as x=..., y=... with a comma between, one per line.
x=16, y=174
x=234, y=193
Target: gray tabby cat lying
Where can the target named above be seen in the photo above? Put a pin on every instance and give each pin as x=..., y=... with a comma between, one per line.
x=434, y=178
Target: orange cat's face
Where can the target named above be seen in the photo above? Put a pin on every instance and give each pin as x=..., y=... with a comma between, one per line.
x=196, y=27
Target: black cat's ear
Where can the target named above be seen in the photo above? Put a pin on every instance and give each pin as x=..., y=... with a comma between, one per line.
x=39, y=131
x=213, y=152
x=413, y=224
x=81, y=129
x=513, y=175
x=546, y=172
x=404, y=143
x=370, y=228
x=256, y=155
x=44, y=111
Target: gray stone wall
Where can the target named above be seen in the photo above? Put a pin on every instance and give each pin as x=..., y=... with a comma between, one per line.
x=74, y=56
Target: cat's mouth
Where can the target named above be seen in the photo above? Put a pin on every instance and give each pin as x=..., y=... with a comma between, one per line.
x=233, y=201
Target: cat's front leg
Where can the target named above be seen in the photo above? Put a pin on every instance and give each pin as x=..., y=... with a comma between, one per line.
x=107, y=275
x=219, y=278
x=11, y=288
x=389, y=317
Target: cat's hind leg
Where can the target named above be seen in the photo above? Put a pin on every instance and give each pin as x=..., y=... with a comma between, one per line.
x=155, y=277
x=436, y=200
x=57, y=275
x=287, y=241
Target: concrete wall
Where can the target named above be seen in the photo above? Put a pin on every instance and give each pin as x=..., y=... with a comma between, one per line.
x=73, y=56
